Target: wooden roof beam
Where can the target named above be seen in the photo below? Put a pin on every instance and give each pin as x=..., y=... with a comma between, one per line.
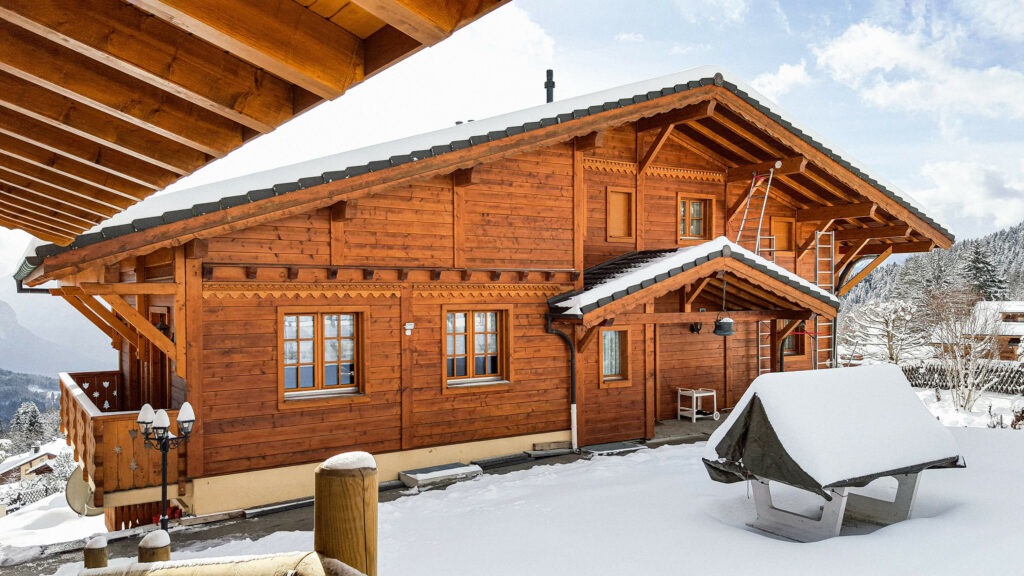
x=18, y=184
x=841, y=211
x=149, y=49
x=44, y=215
x=71, y=211
x=698, y=149
x=898, y=231
x=42, y=232
x=281, y=37
x=901, y=248
x=64, y=183
x=38, y=218
x=72, y=75
x=66, y=114
x=793, y=165
x=867, y=270
x=427, y=24
x=672, y=118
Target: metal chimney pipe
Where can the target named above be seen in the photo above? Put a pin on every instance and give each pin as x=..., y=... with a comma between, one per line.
x=550, y=85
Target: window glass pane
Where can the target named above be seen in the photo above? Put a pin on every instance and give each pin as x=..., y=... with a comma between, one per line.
x=348, y=350
x=330, y=351
x=291, y=326
x=330, y=374
x=696, y=227
x=347, y=324
x=492, y=364
x=460, y=366
x=306, y=377
x=451, y=322
x=696, y=209
x=480, y=343
x=460, y=322
x=289, y=378
x=460, y=344
x=451, y=367
x=492, y=343
x=480, y=365
x=450, y=349
x=305, y=351
x=612, y=354
x=492, y=321
x=330, y=326
x=348, y=374
x=291, y=352
x=305, y=326
x=480, y=321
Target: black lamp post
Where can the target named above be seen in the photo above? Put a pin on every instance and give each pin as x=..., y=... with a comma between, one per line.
x=156, y=430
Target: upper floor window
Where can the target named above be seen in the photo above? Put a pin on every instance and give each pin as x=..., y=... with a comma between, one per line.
x=619, y=208
x=320, y=351
x=475, y=345
x=694, y=217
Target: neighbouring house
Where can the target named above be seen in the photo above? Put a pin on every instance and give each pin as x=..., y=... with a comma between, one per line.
x=549, y=275
x=1007, y=317
x=22, y=466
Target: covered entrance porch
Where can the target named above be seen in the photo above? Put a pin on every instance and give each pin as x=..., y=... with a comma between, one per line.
x=643, y=326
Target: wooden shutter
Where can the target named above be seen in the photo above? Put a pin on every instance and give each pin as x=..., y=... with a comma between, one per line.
x=620, y=214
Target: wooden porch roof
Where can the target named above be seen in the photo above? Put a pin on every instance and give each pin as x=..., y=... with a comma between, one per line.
x=104, y=102
x=698, y=108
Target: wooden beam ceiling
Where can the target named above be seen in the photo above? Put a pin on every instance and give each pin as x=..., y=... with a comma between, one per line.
x=104, y=102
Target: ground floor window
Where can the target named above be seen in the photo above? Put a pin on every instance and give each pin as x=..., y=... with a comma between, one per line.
x=614, y=360
x=320, y=351
x=793, y=345
x=475, y=345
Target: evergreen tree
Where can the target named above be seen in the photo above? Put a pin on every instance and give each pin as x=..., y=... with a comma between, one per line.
x=981, y=274
x=26, y=428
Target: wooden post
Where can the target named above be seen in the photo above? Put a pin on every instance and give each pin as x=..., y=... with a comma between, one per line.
x=155, y=547
x=345, y=511
x=96, y=553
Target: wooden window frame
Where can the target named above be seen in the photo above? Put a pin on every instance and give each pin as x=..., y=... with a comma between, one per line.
x=631, y=220
x=464, y=385
x=792, y=222
x=319, y=396
x=709, y=217
x=623, y=381
x=799, y=339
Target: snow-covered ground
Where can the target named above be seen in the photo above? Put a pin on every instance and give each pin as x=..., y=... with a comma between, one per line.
x=657, y=510
x=47, y=521
x=1002, y=405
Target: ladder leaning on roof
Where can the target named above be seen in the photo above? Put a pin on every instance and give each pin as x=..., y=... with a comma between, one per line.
x=764, y=346
x=824, y=278
x=753, y=212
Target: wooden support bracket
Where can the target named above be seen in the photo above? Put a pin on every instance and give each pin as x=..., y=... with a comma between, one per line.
x=369, y=274
x=465, y=177
x=142, y=325
x=839, y=212
x=864, y=273
x=332, y=273
x=591, y=141
x=250, y=272
x=293, y=272
x=495, y=275
x=792, y=165
x=197, y=249
x=435, y=275
x=403, y=274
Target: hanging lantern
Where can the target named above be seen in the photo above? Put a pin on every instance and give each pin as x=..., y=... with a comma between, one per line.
x=723, y=327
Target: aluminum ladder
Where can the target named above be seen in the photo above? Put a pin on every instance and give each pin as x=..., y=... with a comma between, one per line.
x=824, y=278
x=754, y=211
x=764, y=346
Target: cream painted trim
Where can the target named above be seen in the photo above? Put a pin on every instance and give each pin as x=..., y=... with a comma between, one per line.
x=261, y=487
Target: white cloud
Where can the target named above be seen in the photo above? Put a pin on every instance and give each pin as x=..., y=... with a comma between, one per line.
x=775, y=84
x=680, y=50
x=918, y=70
x=718, y=12
x=631, y=37
x=995, y=18
x=780, y=15
x=973, y=196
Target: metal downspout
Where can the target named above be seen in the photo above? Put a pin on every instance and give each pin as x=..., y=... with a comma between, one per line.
x=572, y=381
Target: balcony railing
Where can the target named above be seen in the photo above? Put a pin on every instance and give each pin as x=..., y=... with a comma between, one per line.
x=107, y=442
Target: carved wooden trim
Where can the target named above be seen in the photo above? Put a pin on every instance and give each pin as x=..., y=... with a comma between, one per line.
x=374, y=289
x=629, y=168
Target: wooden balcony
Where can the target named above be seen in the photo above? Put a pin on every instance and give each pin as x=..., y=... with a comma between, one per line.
x=106, y=439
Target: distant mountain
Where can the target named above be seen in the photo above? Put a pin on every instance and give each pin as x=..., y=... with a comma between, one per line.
x=16, y=388
x=42, y=334
x=1005, y=248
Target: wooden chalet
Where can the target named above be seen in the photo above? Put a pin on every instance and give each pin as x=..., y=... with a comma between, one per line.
x=547, y=275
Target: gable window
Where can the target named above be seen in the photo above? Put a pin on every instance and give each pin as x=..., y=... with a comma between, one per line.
x=784, y=231
x=320, y=353
x=614, y=359
x=619, y=210
x=695, y=217
x=476, y=345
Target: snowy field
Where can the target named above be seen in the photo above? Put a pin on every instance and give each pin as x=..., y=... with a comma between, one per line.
x=657, y=510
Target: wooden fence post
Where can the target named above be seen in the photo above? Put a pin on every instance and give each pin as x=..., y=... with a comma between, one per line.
x=155, y=547
x=345, y=510
x=96, y=553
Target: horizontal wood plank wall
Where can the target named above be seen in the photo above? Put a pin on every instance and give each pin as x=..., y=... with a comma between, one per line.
x=619, y=145
x=245, y=430
x=302, y=239
x=537, y=399
x=519, y=214
x=614, y=414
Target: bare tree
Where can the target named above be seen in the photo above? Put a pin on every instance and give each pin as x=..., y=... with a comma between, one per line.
x=886, y=331
x=967, y=344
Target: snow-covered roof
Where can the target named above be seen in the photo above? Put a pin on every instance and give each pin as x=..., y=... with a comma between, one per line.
x=656, y=266
x=992, y=311
x=171, y=207
x=843, y=424
x=18, y=460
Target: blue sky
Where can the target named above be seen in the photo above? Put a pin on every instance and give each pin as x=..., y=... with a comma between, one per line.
x=927, y=96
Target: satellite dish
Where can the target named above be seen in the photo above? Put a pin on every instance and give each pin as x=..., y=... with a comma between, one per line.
x=80, y=495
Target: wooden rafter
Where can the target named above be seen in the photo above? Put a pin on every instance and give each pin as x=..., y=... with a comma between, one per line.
x=825, y=213
x=781, y=167
x=901, y=248
x=895, y=231
x=693, y=292
x=675, y=117
x=864, y=273
x=145, y=328
x=106, y=315
x=851, y=254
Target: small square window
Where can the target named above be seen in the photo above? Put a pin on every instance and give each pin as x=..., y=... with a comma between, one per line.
x=694, y=217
